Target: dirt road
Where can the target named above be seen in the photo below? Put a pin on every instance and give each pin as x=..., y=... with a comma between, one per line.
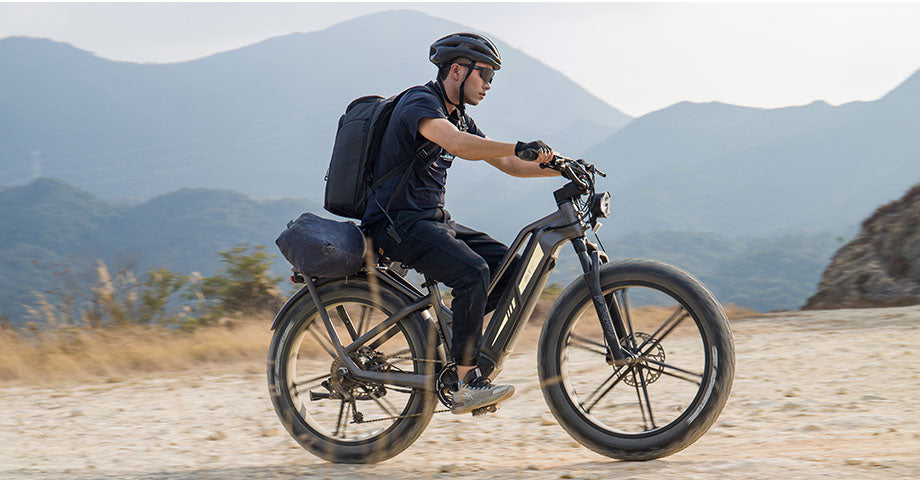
x=817, y=394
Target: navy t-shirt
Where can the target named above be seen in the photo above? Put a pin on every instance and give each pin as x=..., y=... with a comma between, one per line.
x=424, y=189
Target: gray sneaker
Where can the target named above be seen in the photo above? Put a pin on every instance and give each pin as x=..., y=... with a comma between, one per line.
x=479, y=393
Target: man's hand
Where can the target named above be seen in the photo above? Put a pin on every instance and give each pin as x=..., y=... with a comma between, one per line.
x=534, y=151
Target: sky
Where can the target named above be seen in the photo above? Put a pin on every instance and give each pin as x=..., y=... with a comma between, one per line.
x=636, y=57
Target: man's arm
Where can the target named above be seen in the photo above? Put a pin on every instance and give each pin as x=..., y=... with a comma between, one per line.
x=462, y=144
x=472, y=147
x=521, y=168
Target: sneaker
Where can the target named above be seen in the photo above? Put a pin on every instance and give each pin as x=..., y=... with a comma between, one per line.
x=476, y=392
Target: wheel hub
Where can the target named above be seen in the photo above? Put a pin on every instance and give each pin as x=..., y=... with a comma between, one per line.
x=651, y=372
x=341, y=384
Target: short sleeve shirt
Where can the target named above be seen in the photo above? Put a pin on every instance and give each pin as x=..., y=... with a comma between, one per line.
x=424, y=188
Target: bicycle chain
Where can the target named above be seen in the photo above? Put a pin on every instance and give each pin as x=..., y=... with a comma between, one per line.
x=397, y=417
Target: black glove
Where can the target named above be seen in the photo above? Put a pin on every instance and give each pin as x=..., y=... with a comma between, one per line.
x=530, y=151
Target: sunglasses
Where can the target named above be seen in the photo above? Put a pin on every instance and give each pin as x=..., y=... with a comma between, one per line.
x=485, y=73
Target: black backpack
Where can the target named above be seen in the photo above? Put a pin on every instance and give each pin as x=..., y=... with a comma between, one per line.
x=350, y=178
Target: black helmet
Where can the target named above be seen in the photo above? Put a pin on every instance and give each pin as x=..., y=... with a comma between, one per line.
x=470, y=45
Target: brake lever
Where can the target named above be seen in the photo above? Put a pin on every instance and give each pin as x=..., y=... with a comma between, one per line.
x=591, y=167
x=570, y=174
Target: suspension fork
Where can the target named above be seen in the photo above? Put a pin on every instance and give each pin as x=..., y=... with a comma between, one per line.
x=608, y=313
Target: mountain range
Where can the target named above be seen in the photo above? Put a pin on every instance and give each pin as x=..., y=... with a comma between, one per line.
x=54, y=234
x=259, y=119
x=177, y=161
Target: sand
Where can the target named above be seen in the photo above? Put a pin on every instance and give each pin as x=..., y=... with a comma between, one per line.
x=817, y=394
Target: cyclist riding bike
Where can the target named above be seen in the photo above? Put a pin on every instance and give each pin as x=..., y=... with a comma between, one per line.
x=406, y=217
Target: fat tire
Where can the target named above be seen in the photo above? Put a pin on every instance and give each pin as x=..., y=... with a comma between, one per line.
x=715, y=329
x=404, y=431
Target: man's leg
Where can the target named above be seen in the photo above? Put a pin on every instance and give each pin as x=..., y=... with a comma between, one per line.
x=431, y=249
x=493, y=252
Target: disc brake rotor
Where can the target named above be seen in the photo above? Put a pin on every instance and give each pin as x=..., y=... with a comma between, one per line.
x=650, y=371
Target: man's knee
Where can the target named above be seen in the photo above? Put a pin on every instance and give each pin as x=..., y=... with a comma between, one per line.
x=473, y=276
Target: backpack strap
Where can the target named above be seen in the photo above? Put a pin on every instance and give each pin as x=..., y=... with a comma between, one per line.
x=406, y=167
x=423, y=151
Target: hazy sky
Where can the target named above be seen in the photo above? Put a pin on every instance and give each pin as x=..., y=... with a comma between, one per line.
x=637, y=57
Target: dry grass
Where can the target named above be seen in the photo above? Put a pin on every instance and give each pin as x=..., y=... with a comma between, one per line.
x=80, y=354
x=87, y=354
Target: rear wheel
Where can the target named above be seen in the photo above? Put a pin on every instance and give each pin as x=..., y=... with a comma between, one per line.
x=331, y=414
x=668, y=398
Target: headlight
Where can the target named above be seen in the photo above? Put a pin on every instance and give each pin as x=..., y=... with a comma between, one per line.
x=600, y=205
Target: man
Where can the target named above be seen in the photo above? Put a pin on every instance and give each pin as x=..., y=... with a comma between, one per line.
x=406, y=216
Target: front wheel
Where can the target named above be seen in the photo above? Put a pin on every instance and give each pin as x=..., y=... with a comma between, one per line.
x=666, y=400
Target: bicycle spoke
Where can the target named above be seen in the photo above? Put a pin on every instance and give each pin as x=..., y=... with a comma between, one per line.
x=389, y=404
x=641, y=406
x=327, y=344
x=383, y=338
x=384, y=407
x=343, y=315
x=299, y=385
x=648, y=400
x=696, y=378
x=624, y=301
x=586, y=344
x=399, y=353
x=338, y=422
x=670, y=324
x=615, y=382
x=363, y=322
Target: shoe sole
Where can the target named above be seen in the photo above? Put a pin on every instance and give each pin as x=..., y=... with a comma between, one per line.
x=470, y=408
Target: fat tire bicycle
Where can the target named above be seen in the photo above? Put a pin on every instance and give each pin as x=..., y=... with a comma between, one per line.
x=635, y=357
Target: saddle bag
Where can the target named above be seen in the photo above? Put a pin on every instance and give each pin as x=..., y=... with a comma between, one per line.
x=320, y=247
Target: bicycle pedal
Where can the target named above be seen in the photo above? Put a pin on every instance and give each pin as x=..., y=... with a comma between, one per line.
x=484, y=410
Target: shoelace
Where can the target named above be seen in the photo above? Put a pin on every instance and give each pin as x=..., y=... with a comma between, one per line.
x=479, y=384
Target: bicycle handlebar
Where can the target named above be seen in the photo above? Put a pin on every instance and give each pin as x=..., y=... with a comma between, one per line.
x=570, y=169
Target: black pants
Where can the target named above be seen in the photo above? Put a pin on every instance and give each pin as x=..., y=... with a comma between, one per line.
x=461, y=258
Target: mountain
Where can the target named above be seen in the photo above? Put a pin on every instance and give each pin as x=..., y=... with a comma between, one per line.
x=259, y=120
x=53, y=234
x=881, y=266
x=724, y=168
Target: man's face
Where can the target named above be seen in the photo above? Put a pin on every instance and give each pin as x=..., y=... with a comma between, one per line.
x=475, y=88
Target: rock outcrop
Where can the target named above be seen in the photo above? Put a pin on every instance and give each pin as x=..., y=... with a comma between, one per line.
x=881, y=266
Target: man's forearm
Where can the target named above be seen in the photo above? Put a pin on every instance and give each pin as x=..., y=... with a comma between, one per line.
x=472, y=147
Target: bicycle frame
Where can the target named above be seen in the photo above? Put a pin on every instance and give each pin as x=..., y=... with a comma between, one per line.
x=543, y=238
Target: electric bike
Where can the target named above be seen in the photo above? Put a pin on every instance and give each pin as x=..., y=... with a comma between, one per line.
x=635, y=357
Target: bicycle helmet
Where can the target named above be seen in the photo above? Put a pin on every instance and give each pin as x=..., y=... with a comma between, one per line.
x=470, y=45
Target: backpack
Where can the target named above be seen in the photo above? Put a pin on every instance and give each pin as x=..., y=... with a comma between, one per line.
x=350, y=178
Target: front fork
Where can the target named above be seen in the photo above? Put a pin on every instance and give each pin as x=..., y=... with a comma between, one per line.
x=608, y=309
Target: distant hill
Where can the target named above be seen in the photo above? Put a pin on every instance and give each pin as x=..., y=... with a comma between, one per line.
x=771, y=272
x=881, y=266
x=735, y=171
x=723, y=168
x=259, y=119
x=53, y=234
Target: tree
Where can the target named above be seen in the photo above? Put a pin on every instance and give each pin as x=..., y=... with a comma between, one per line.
x=242, y=286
